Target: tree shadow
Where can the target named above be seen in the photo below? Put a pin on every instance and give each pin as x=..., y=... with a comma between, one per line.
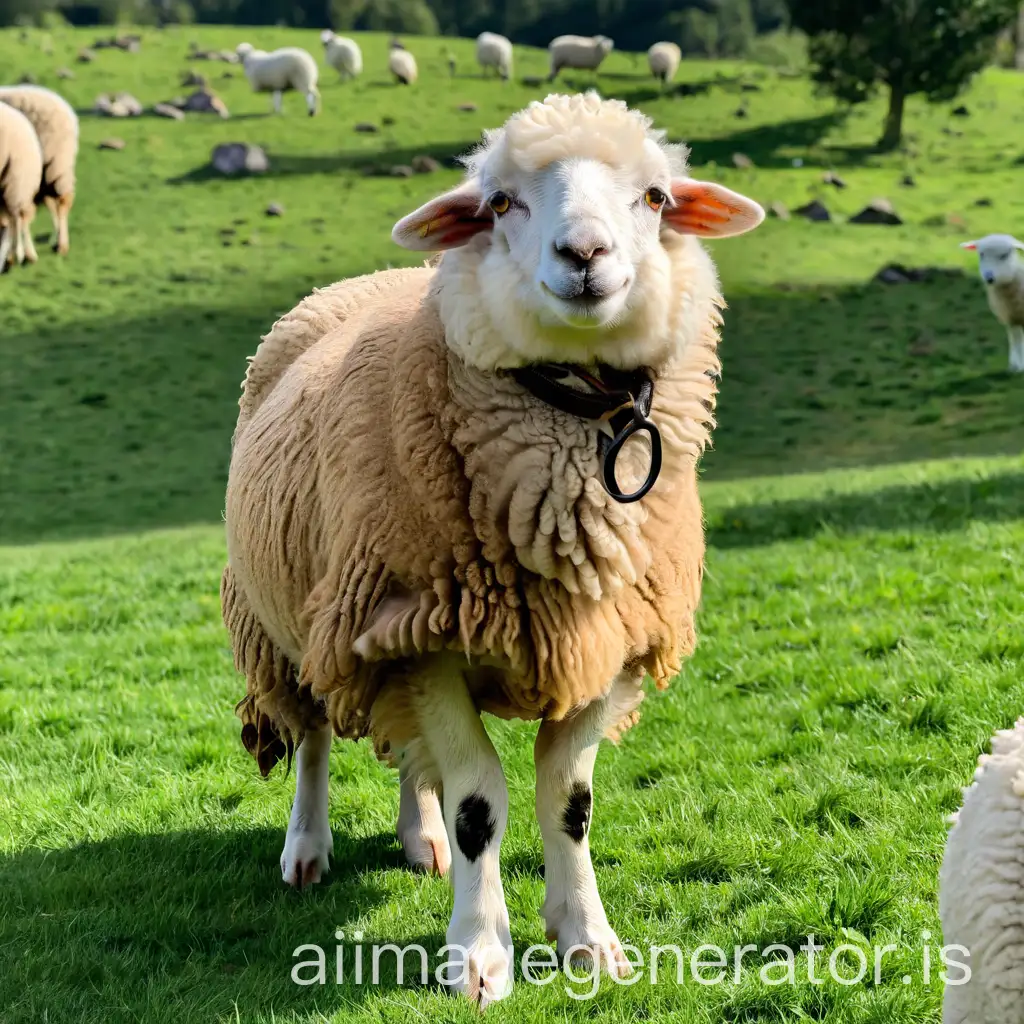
x=763, y=143
x=197, y=923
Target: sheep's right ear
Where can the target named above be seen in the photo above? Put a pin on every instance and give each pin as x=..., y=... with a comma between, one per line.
x=969, y=245
x=446, y=222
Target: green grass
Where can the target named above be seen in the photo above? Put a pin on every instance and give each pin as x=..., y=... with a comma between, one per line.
x=860, y=627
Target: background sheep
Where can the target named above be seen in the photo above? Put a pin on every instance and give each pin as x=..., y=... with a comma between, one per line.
x=406, y=543
x=582, y=52
x=56, y=125
x=1002, y=270
x=21, y=171
x=494, y=51
x=663, y=59
x=981, y=893
x=402, y=64
x=288, y=68
x=343, y=54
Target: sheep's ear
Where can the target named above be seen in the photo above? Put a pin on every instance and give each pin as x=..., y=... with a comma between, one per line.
x=446, y=222
x=969, y=245
x=709, y=210
x=1018, y=243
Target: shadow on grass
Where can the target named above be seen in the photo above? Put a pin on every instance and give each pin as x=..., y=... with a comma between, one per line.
x=763, y=143
x=193, y=924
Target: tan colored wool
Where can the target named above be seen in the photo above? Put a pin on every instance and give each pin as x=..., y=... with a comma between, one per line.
x=387, y=499
x=56, y=124
x=21, y=169
x=1006, y=300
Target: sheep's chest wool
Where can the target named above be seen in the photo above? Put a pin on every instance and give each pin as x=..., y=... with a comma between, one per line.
x=389, y=500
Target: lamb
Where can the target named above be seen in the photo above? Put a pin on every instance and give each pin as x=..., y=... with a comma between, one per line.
x=981, y=891
x=1002, y=270
x=494, y=51
x=420, y=514
x=56, y=125
x=582, y=52
x=280, y=70
x=21, y=171
x=343, y=54
x=663, y=59
x=402, y=64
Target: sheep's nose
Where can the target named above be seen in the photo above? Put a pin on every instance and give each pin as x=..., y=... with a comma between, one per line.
x=580, y=253
x=988, y=276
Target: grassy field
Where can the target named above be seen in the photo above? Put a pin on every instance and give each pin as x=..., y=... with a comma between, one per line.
x=861, y=624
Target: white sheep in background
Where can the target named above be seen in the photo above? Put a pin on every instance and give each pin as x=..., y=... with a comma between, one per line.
x=663, y=60
x=1002, y=270
x=981, y=892
x=56, y=124
x=494, y=51
x=584, y=53
x=343, y=54
x=402, y=64
x=21, y=171
x=281, y=71
x=415, y=535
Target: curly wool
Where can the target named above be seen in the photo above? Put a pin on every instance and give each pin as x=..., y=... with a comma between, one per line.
x=981, y=895
x=21, y=166
x=56, y=124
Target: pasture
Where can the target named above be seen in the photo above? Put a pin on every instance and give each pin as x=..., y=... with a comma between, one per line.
x=863, y=608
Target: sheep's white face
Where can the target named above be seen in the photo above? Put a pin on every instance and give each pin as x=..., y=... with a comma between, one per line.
x=998, y=259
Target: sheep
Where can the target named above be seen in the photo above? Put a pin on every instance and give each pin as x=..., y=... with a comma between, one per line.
x=414, y=536
x=1002, y=270
x=582, y=52
x=981, y=890
x=494, y=51
x=21, y=171
x=402, y=64
x=343, y=54
x=56, y=124
x=280, y=70
x=663, y=59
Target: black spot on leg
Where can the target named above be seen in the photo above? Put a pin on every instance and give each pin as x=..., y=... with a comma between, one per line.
x=474, y=826
x=576, y=819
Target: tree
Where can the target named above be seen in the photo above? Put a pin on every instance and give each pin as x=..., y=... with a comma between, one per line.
x=907, y=46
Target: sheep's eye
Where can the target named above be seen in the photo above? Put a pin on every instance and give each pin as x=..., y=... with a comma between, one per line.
x=499, y=203
x=655, y=198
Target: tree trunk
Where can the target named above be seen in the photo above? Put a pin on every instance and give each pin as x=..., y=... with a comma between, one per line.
x=1020, y=38
x=893, y=132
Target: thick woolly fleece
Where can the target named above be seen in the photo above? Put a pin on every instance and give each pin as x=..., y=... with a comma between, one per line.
x=981, y=895
x=21, y=166
x=56, y=124
x=388, y=498
x=1007, y=300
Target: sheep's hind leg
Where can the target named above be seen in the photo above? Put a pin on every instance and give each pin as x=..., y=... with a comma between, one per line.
x=564, y=755
x=31, y=256
x=1016, y=337
x=421, y=825
x=308, y=845
x=475, y=813
x=277, y=101
x=6, y=234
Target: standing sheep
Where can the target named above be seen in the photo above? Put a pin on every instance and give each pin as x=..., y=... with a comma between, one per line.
x=343, y=54
x=420, y=514
x=1002, y=270
x=56, y=125
x=21, y=171
x=494, y=51
x=402, y=64
x=584, y=53
x=281, y=70
x=663, y=59
x=981, y=891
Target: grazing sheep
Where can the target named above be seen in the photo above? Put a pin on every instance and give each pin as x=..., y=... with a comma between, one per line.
x=281, y=70
x=585, y=53
x=981, y=891
x=415, y=535
x=1002, y=270
x=663, y=59
x=56, y=124
x=494, y=51
x=343, y=54
x=21, y=171
x=402, y=64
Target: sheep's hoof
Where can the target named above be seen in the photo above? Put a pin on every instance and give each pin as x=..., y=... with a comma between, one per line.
x=60, y=250
x=585, y=945
x=306, y=857
x=486, y=974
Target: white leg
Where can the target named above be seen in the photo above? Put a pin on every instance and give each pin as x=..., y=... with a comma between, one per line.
x=51, y=205
x=6, y=234
x=564, y=755
x=1016, y=335
x=19, y=241
x=475, y=813
x=311, y=103
x=277, y=101
x=308, y=845
x=31, y=256
x=421, y=826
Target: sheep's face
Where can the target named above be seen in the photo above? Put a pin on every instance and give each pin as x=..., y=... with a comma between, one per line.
x=571, y=211
x=998, y=259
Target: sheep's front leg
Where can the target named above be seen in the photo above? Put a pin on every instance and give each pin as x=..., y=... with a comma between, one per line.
x=308, y=845
x=19, y=241
x=564, y=754
x=277, y=101
x=6, y=234
x=31, y=256
x=1016, y=337
x=421, y=826
x=475, y=812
